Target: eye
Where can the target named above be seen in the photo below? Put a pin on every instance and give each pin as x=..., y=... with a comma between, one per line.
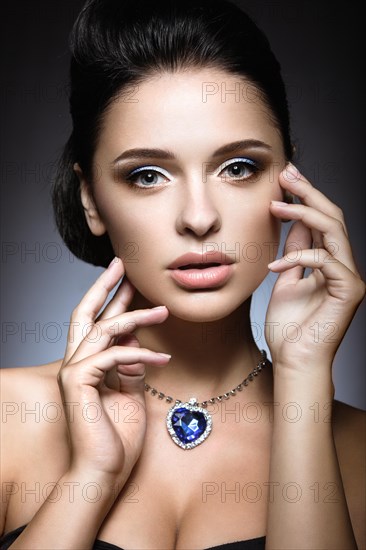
x=241, y=168
x=145, y=177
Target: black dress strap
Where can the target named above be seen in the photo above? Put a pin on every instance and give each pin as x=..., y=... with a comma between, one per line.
x=8, y=539
x=252, y=544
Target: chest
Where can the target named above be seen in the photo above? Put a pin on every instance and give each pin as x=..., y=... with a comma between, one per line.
x=210, y=495
x=179, y=499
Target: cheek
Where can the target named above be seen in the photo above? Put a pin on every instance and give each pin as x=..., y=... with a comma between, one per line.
x=251, y=215
x=256, y=241
x=259, y=243
x=134, y=234
x=128, y=239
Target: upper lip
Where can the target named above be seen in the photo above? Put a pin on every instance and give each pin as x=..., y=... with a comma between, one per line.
x=192, y=258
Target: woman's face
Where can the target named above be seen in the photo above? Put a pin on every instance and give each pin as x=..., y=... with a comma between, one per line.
x=157, y=208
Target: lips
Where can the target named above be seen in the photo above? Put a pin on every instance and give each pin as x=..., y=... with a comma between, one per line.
x=198, y=266
x=194, y=260
x=201, y=271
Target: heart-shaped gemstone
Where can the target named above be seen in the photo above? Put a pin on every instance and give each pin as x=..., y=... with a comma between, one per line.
x=188, y=424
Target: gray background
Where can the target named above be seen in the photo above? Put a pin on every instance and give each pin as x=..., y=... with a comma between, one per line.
x=319, y=45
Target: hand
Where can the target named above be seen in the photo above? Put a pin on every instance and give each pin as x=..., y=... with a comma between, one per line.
x=107, y=423
x=308, y=317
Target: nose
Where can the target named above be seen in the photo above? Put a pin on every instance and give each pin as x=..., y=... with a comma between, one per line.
x=197, y=212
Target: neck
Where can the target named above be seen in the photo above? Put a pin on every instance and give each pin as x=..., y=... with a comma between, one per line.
x=208, y=358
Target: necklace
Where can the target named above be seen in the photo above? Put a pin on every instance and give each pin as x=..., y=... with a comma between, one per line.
x=189, y=424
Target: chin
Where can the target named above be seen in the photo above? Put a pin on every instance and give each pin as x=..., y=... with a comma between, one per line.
x=196, y=306
x=204, y=307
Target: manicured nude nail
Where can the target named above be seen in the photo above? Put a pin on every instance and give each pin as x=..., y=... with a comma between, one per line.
x=115, y=260
x=159, y=307
x=165, y=355
x=291, y=173
x=274, y=263
x=279, y=203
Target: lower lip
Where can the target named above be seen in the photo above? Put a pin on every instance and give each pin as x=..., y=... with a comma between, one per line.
x=209, y=277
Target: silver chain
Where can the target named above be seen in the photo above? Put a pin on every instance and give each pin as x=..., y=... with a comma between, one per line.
x=262, y=363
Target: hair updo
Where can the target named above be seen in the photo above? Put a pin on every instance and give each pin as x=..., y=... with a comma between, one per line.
x=116, y=44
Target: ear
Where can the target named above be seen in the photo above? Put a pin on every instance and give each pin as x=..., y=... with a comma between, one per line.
x=92, y=216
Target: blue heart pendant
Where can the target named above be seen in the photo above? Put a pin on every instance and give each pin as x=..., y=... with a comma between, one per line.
x=188, y=424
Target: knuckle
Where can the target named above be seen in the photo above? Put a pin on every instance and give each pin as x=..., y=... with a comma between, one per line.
x=308, y=185
x=75, y=314
x=338, y=213
x=107, y=327
x=125, y=326
x=306, y=196
x=97, y=327
x=63, y=376
x=129, y=326
x=116, y=349
x=323, y=255
x=359, y=289
x=115, y=352
x=59, y=378
x=338, y=224
x=93, y=332
x=116, y=327
x=72, y=376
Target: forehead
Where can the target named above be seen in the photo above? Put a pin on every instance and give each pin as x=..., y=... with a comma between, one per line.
x=189, y=107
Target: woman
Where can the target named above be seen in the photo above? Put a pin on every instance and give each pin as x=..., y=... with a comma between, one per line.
x=163, y=426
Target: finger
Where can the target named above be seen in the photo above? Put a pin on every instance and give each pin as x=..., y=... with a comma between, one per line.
x=332, y=230
x=292, y=180
x=91, y=371
x=120, y=301
x=341, y=282
x=118, y=305
x=112, y=380
x=84, y=314
x=127, y=340
x=298, y=239
x=105, y=331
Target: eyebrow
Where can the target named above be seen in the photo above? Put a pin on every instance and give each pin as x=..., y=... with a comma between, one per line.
x=168, y=155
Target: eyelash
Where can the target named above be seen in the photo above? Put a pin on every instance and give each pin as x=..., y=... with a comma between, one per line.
x=253, y=166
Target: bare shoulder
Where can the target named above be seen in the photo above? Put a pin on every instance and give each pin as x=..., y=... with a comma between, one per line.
x=22, y=386
x=30, y=400
x=27, y=384
x=349, y=429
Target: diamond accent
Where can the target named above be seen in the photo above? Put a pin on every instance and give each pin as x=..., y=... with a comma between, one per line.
x=188, y=424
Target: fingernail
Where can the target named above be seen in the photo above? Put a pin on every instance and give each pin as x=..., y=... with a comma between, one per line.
x=159, y=307
x=274, y=263
x=291, y=173
x=115, y=260
x=279, y=203
x=165, y=355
